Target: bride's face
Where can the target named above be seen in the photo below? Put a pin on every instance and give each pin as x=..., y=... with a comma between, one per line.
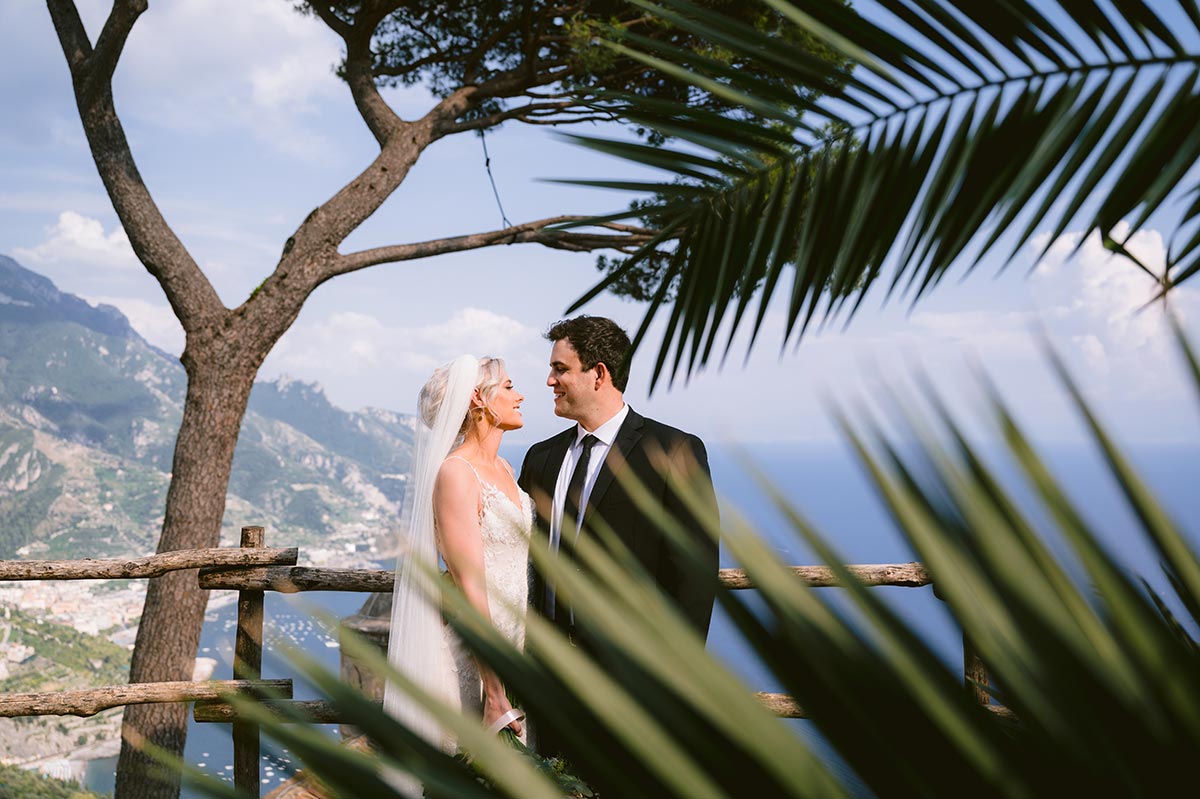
x=506, y=405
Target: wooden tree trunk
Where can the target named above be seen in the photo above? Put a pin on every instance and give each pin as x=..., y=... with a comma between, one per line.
x=169, y=631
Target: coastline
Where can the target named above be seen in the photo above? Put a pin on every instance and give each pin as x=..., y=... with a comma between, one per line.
x=64, y=747
x=105, y=612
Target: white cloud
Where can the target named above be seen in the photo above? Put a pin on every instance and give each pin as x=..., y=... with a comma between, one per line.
x=354, y=354
x=288, y=84
x=475, y=330
x=344, y=344
x=209, y=66
x=1110, y=319
x=80, y=241
x=1005, y=333
x=1093, y=353
x=155, y=322
x=1107, y=285
x=1089, y=309
x=84, y=259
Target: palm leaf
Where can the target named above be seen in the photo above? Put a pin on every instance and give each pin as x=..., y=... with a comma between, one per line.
x=1102, y=674
x=959, y=130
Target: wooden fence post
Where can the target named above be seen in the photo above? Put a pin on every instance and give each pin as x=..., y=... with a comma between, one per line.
x=247, y=665
x=975, y=673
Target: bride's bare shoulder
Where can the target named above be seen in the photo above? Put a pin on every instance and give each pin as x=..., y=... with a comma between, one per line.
x=456, y=473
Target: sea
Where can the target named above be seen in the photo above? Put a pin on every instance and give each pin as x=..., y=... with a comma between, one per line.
x=824, y=482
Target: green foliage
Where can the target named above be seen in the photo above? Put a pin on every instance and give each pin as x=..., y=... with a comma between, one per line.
x=450, y=46
x=259, y=473
x=371, y=438
x=582, y=32
x=101, y=540
x=64, y=371
x=139, y=493
x=113, y=404
x=306, y=508
x=986, y=126
x=106, y=662
x=113, y=585
x=16, y=783
x=24, y=510
x=555, y=769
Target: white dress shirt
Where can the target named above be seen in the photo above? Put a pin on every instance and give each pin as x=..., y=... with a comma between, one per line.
x=605, y=435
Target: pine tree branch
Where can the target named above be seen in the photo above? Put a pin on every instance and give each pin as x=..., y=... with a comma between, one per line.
x=191, y=295
x=539, y=231
x=109, y=46
x=383, y=122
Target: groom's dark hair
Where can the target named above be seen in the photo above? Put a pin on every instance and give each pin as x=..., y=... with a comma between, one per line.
x=597, y=340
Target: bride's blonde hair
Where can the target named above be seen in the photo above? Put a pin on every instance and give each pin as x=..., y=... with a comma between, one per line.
x=490, y=379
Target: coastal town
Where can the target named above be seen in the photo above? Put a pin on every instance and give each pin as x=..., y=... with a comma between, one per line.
x=57, y=636
x=71, y=635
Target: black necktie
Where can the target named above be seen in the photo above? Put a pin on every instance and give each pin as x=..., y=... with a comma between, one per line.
x=574, y=496
x=571, y=505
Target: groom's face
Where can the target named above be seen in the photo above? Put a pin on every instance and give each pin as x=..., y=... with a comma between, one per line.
x=573, y=387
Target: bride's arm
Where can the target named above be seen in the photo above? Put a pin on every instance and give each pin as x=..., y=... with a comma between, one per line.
x=456, y=508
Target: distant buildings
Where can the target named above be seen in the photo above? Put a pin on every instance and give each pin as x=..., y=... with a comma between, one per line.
x=61, y=768
x=90, y=608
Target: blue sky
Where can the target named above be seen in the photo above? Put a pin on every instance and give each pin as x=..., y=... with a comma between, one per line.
x=240, y=128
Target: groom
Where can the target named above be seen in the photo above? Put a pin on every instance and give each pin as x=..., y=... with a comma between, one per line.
x=573, y=475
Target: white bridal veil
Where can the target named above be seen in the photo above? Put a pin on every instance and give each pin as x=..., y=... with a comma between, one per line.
x=415, y=647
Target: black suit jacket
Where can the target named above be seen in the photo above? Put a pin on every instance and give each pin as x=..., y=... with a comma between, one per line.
x=637, y=443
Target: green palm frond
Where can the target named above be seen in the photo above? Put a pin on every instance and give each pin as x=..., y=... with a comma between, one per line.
x=959, y=128
x=1098, y=673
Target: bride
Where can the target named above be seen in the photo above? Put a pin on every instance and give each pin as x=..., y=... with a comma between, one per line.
x=462, y=503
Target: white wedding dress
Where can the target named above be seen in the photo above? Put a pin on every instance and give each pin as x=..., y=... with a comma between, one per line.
x=505, y=529
x=432, y=663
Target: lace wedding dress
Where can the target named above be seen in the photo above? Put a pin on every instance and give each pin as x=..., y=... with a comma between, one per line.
x=505, y=529
x=422, y=649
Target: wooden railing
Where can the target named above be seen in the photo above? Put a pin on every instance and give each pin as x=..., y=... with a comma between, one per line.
x=247, y=663
x=252, y=569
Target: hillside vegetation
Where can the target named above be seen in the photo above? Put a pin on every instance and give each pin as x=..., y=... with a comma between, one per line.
x=18, y=784
x=88, y=416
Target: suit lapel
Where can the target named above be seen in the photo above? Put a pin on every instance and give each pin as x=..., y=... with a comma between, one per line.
x=554, y=458
x=551, y=465
x=627, y=438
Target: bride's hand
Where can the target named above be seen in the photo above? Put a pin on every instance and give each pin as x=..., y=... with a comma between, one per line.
x=496, y=706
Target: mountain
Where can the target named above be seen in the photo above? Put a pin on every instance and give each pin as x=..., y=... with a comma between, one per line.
x=367, y=436
x=88, y=415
